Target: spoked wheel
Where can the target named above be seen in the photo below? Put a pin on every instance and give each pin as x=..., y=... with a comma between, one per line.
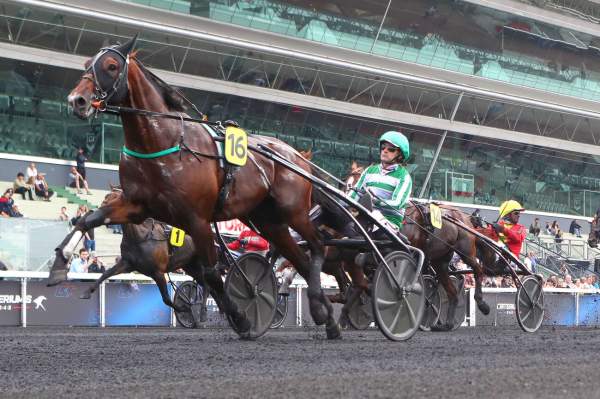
x=188, y=295
x=433, y=303
x=360, y=315
x=398, y=309
x=529, y=304
x=255, y=294
x=281, y=311
x=461, y=306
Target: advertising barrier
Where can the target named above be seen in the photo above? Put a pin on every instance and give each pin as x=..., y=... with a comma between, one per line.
x=134, y=300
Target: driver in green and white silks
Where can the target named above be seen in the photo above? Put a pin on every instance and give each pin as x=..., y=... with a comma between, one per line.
x=389, y=180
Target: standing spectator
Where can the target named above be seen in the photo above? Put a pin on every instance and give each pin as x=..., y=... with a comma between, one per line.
x=81, y=264
x=89, y=241
x=31, y=173
x=575, y=228
x=96, y=266
x=20, y=186
x=63, y=216
x=554, y=228
x=530, y=262
x=76, y=180
x=547, y=229
x=41, y=187
x=80, y=160
x=558, y=239
x=534, y=228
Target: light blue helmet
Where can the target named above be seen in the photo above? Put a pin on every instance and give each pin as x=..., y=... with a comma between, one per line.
x=396, y=139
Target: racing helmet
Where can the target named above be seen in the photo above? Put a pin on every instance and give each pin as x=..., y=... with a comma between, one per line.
x=509, y=206
x=398, y=140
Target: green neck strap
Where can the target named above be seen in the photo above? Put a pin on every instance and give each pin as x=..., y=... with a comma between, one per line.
x=158, y=154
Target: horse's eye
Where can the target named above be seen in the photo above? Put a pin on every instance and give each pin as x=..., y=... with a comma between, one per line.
x=112, y=67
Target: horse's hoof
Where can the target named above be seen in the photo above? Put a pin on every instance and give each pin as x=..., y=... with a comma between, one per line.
x=343, y=321
x=318, y=313
x=242, y=326
x=56, y=277
x=484, y=308
x=334, y=331
x=442, y=327
x=203, y=314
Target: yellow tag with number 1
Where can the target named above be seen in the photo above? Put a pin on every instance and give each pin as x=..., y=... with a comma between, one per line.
x=236, y=146
x=177, y=237
x=436, y=216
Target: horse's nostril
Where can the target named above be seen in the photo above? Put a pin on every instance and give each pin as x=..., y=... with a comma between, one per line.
x=80, y=101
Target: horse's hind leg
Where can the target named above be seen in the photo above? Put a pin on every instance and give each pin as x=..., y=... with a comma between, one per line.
x=316, y=297
x=121, y=267
x=444, y=278
x=320, y=308
x=479, y=275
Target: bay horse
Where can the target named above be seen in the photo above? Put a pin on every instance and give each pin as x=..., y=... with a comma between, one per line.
x=145, y=249
x=170, y=171
x=439, y=245
x=594, y=236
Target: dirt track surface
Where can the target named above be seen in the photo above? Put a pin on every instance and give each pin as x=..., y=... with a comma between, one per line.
x=468, y=363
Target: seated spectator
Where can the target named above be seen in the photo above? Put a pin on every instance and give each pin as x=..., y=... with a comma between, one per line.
x=20, y=186
x=547, y=229
x=534, y=228
x=77, y=181
x=31, y=173
x=8, y=209
x=554, y=228
x=63, y=216
x=96, y=266
x=575, y=228
x=249, y=241
x=81, y=264
x=82, y=210
x=41, y=187
x=530, y=262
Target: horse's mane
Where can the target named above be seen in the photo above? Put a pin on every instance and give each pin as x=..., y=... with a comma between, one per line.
x=174, y=99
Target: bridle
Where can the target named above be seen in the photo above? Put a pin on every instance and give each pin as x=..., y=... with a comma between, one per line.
x=90, y=74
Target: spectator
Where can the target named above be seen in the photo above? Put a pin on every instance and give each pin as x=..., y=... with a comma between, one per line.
x=554, y=228
x=534, y=228
x=249, y=241
x=547, y=229
x=116, y=228
x=7, y=205
x=81, y=264
x=530, y=262
x=41, y=187
x=20, y=186
x=96, y=266
x=89, y=241
x=575, y=228
x=63, y=216
x=82, y=210
x=31, y=173
x=80, y=160
x=569, y=282
x=558, y=238
x=76, y=180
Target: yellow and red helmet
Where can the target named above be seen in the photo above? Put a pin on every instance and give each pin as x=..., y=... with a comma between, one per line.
x=508, y=207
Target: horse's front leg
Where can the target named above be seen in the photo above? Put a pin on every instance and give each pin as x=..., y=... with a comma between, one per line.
x=118, y=211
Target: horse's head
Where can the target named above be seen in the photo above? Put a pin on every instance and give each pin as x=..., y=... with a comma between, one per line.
x=594, y=236
x=104, y=79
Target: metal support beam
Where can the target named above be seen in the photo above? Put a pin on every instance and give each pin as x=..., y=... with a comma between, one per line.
x=439, y=148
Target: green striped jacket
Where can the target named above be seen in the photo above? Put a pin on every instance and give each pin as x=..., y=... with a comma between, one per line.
x=392, y=185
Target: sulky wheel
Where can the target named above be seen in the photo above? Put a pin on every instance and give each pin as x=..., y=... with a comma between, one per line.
x=433, y=303
x=529, y=304
x=253, y=288
x=398, y=309
x=360, y=315
x=188, y=295
x=461, y=306
x=280, y=311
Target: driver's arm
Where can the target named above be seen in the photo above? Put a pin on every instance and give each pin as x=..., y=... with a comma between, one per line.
x=401, y=193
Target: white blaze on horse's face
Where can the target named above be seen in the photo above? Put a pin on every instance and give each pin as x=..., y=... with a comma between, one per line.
x=80, y=99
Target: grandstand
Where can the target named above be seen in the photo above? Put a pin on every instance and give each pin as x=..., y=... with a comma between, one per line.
x=496, y=105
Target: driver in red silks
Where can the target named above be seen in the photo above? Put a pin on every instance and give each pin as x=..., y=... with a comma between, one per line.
x=249, y=241
x=508, y=230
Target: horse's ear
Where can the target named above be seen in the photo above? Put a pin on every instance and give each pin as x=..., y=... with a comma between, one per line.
x=127, y=47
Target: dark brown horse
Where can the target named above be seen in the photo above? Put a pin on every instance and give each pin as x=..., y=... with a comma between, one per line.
x=181, y=186
x=594, y=236
x=145, y=249
x=439, y=245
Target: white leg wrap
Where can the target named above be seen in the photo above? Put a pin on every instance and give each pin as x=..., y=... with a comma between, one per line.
x=70, y=247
